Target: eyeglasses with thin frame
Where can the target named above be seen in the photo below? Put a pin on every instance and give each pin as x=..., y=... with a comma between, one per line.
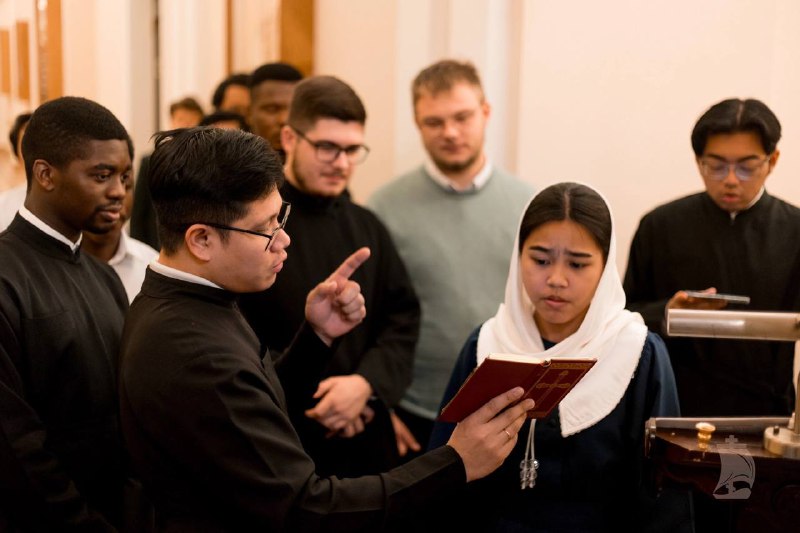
x=283, y=216
x=718, y=169
x=328, y=152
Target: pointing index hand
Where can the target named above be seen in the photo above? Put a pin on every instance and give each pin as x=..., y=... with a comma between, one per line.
x=350, y=265
x=336, y=305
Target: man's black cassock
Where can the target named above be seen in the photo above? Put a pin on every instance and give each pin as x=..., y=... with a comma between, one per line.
x=143, y=215
x=691, y=243
x=206, y=421
x=61, y=318
x=324, y=232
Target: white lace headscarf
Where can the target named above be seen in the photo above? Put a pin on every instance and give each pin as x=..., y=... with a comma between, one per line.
x=609, y=333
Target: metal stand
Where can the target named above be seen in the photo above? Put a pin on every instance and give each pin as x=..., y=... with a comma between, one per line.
x=764, y=502
x=768, y=326
x=785, y=441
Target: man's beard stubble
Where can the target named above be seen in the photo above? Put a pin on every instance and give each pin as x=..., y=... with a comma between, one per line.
x=457, y=166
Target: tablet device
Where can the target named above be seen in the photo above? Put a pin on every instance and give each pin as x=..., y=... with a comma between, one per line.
x=730, y=298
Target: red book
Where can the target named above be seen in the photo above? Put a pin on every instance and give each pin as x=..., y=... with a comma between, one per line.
x=547, y=381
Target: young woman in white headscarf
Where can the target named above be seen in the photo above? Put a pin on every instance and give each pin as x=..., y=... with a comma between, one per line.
x=579, y=469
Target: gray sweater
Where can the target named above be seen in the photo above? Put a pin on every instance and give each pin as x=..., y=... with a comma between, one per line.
x=456, y=247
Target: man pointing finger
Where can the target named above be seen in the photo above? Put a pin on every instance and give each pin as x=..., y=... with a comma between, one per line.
x=205, y=418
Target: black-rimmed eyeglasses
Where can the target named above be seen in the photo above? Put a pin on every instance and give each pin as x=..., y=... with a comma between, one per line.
x=328, y=152
x=283, y=216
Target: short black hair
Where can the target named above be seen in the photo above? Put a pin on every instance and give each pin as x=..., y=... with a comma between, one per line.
x=734, y=116
x=324, y=97
x=188, y=103
x=13, y=134
x=60, y=129
x=208, y=175
x=241, y=79
x=275, y=72
x=224, y=116
x=569, y=201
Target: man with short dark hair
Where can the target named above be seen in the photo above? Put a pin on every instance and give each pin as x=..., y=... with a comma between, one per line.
x=346, y=427
x=143, y=216
x=185, y=113
x=204, y=412
x=732, y=238
x=61, y=314
x=271, y=89
x=458, y=205
x=232, y=94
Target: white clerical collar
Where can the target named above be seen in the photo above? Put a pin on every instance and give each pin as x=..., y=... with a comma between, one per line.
x=122, y=250
x=25, y=213
x=478, y=182
x=751, y=204
x=174, y=273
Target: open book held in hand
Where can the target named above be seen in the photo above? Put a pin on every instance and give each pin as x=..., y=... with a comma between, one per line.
x=547, y=381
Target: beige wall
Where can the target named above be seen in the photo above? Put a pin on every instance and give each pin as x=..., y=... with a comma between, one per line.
x=109, y=57
x=192, y=51
x=256, y=34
